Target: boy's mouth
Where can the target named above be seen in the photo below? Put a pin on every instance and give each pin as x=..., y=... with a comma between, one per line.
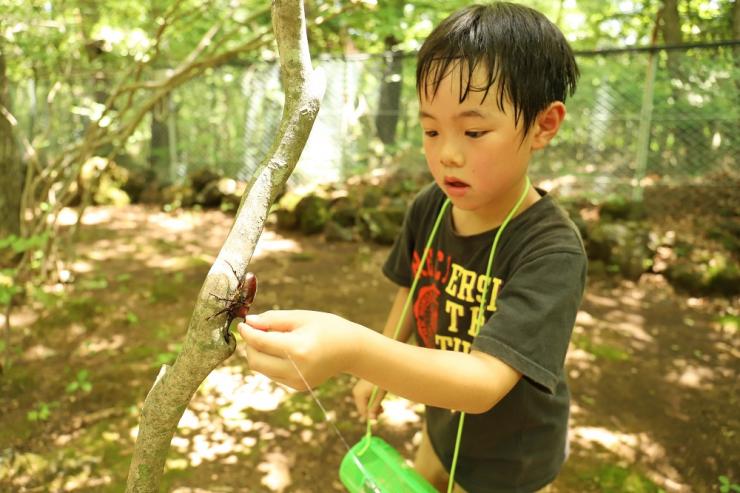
x=455, y=183
x=455, y=187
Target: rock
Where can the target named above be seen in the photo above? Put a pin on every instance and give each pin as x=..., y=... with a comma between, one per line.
x=210, y=195
x=381, y=225
x=701, y=275
x=285, y=219
x=372, y=196
x=727, y=232
x=202, y=177
x=139, y=180
x=624, y=245
x=343, y=212
x=151, y=194
x=179, y=195
x=312, y=213
x=617, y=208
x=337, y=232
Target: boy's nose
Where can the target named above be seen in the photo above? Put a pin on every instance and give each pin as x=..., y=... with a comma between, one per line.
x=451, y=156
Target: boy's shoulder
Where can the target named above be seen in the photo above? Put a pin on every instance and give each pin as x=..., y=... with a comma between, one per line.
x=547, y=228
x=543, y=228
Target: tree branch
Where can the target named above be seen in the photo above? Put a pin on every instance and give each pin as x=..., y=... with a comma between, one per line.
x=205, y=347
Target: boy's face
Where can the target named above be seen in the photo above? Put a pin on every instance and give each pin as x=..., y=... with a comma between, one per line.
x=474, y=150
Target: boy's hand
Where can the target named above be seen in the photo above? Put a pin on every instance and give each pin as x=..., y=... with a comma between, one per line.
x=362, y=392
x=320, y=344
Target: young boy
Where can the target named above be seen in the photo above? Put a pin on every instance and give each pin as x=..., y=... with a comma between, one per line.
x=491, y=81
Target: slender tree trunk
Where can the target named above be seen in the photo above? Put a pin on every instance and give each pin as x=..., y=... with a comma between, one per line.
x=390, y=93
x=159, y=145
x=10, y=163
x=736, y=35
x=205, y=347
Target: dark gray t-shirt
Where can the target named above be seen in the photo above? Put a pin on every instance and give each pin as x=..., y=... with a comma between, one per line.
x=539, y=273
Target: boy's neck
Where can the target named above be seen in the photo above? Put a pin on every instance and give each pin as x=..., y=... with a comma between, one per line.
x=469, y=223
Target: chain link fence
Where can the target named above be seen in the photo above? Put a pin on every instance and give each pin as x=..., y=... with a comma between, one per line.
x=642, y=117
x=639, y=117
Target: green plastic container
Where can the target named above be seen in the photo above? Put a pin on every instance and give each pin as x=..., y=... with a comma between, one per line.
x=376, y=467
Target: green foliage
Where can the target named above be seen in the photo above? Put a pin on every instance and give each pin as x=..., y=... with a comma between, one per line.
x=8, y=288
x=94, y=284
x=20, y=245
x=81, y=383
x=728, y=486
x=132, y=318
x=603, y=351
x=42, y=411
x=167, y=357
x=617, y=478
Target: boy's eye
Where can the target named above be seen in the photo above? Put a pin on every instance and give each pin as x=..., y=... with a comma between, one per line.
x=430, y=133
x=474, y=134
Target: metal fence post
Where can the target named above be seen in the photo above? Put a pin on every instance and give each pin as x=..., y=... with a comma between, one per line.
x=646, y=117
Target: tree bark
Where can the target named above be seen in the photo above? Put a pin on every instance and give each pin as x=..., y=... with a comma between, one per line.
x=205, y=347
x=159, y=145
x=735, y=14
x=10, y=163
x=390, y=94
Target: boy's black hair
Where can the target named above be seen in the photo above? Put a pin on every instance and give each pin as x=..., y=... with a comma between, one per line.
x=518, y=47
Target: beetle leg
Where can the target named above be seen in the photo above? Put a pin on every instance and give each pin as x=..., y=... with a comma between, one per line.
x=225, y=300
x=226, y=332
x=233, y=270
x=218, y=313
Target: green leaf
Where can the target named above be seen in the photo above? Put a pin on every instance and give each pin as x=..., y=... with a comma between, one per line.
x=8, y=241
x=94, y=284
x=72, y=387
x=86, y=387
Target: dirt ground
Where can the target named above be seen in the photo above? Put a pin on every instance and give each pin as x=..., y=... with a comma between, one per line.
x=653, y=374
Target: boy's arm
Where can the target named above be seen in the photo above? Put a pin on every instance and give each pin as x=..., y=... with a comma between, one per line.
x=323, y=345
x=471, y=382
x=404, y=333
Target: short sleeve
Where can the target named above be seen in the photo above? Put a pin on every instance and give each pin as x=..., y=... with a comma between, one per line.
x=535, y=312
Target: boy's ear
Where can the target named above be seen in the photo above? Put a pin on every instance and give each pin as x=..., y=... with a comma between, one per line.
x=547, y=124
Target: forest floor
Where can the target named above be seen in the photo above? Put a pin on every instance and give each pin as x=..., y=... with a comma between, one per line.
x=653, y=374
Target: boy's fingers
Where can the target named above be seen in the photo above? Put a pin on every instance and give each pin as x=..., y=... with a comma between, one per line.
x=272, y=343
x=274, y=320
x=271, y=366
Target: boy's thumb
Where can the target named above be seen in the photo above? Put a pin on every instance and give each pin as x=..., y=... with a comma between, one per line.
x=257, y=322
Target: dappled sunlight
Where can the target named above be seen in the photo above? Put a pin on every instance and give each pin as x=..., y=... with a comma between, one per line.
x=20, y=317
x=175, y=223
x=38, y=352
x=585, y=318
x=622, y=444
x=66, y=217
x=152, y=238
x=82, y=266
x=276, y=467
x=602, y=301
x=96, y=344
x=399, y=412
x=234, y=391
x=203, y=437
x=690, y=375
x=631, y=448
x=271, y=242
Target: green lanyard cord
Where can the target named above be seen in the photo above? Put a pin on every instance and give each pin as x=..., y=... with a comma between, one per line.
x=481, y=317
x=480, y=320
x=405, y=310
